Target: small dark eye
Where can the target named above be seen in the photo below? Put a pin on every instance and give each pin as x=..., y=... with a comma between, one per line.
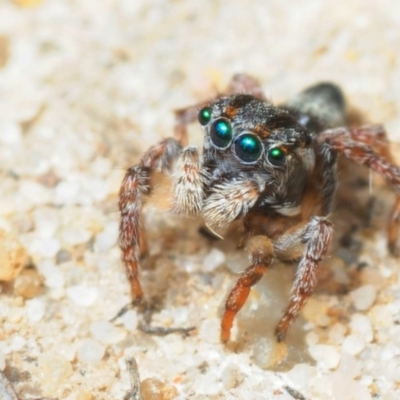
x=221, y=133
x=248, y=148
x=204, y=115
x=276, y=156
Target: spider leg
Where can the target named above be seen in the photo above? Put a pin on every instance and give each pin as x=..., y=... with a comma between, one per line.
x=189, y=183
x=317, y=237
x=376, y=137
x=135, y=184
x=358, y=145
x=261, y=255
x=245, y=84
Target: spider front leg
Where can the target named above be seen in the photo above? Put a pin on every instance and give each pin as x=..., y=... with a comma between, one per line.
x=261, y=255
x=358, y=145
x=376, y=137
x=136, y=183
x=317, y=237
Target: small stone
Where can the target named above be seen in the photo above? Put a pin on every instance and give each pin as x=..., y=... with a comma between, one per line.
x=46, y=221
x=85, y=396
x=210, y=330
x=154, y=389
x=44, y=247
x=75, y=236
x=268, y=352
x=345, y=388
x=213, y=260
x=207, y=383
x=361, y=325
x=301, y=374
x=381, y=316
x=106, y=333
x=28, y=284
x=312, y=338
x=54, y=278
x=364, y=297
x=53, y=372
x=326, y=355
x=353, y=344
x=28, y=3
x=231, y=376
x=91, y=351
x=5, y=46
x=2, y=361
x=349, y=366
x=12, y=256
x=17, y=343
x=83, y=295
x=130, y=320
x=36, y=193
x=106, y=239
x=316, y=312
x=66, y=193
x=10, y=133
x=336, y=333
x=35, y=310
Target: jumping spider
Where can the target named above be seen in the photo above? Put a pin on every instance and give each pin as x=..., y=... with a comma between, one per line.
x=272, y=168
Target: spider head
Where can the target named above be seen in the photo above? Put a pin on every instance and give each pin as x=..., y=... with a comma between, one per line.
x=247, y=138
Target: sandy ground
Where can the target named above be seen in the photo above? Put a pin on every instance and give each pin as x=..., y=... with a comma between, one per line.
x=85, y=88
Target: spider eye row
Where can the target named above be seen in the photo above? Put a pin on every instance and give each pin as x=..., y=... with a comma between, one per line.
x=248, y=147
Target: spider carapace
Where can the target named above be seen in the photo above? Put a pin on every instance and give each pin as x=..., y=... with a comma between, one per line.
x=271, y=167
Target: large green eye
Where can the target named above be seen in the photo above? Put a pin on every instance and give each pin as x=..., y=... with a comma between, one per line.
x=248, y=148
x=204, y=115
x=276, y=156
x=221, y=133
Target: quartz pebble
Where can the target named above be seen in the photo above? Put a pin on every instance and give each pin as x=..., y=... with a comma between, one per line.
x=268, y=352
x=12, y=256
x=345, y=388
x=154, y=389
x=75, y=236
x=316, y=311
x=107, y=333
x=301, y=374
x=107, y=238
x=53, y=372
x=353, y=344
x=2, y=361
x=35, y=310
x=207, y=384
x=130, y=320
x=349, y=366
x=17, y=343
x=231, y=376
x=361, y=325
x=210, y=330
x=337, y=333
x=28, y=283
x=213, y=260
x=326, y=355
x=363, y=297
x=91, y=351
x=83, y=295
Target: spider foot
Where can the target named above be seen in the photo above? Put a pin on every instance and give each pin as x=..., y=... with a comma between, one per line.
x=146, y=310
x=146, y=326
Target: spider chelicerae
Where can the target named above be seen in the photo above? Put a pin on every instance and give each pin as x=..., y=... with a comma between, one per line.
x=272, y=168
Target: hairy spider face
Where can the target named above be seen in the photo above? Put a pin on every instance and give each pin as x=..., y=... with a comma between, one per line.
x=248, y=139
